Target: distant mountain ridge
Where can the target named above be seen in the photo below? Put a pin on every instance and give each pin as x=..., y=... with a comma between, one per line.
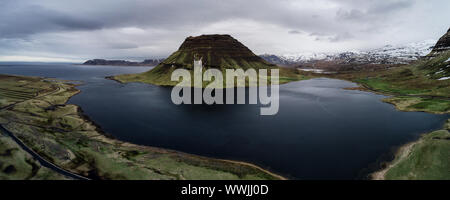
x=389, y=54
x=148, y=62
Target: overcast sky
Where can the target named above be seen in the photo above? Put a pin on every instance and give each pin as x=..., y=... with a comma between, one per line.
x=63, y=30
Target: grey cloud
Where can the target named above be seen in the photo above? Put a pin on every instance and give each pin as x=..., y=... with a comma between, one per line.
x=332, y=37
x=352, y=14
x=341, y=37
x=373, y=11
x=87, y=28
x=123, y=45
x=295, y=32
x=23, y=20
x=391, y=6
x=75, y=23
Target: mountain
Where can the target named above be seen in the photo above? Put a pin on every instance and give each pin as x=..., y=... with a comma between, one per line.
x=437, y=63
x=216, y=51
x=293, y=59
x=277, y=60
x=389, y=54
x=152, y=62
x=149, y=62
x=428, y=76
x=443, y=44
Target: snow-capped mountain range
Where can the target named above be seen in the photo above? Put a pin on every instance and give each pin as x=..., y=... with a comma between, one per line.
x=389, y=54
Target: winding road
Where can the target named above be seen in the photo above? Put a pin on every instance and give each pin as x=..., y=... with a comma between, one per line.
x=35, y=155
x=41, y=160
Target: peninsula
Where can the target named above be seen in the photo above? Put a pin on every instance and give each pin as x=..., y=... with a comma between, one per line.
x=148, y=62
x=216, y=51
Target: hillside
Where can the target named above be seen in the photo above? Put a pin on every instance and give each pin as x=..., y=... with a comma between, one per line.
x=442, y=45
x=425, y=159
x=216, y=51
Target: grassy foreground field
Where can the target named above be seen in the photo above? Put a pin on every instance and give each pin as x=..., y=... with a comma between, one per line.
x=35, y=111
x=17, y=164
x=425, y=159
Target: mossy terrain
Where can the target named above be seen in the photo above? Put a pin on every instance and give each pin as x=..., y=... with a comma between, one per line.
x=432, y=105
x=58, y=132
x=17, y=164
x=426, y=159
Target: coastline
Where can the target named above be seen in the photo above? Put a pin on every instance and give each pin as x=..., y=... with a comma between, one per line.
x=117, y=65
x=286, y=75
x=408, y=156
x=401, y=153
x=109, y=136
x=390, y=96
x=256, y=166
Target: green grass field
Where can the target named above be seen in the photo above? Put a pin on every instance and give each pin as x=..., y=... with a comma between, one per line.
x=432, y=105
x=17, y=164
x=427, y=159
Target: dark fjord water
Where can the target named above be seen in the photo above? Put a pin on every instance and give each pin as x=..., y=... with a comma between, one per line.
x=321, y=131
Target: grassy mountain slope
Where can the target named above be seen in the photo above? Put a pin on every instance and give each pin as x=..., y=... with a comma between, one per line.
x=424, y=159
